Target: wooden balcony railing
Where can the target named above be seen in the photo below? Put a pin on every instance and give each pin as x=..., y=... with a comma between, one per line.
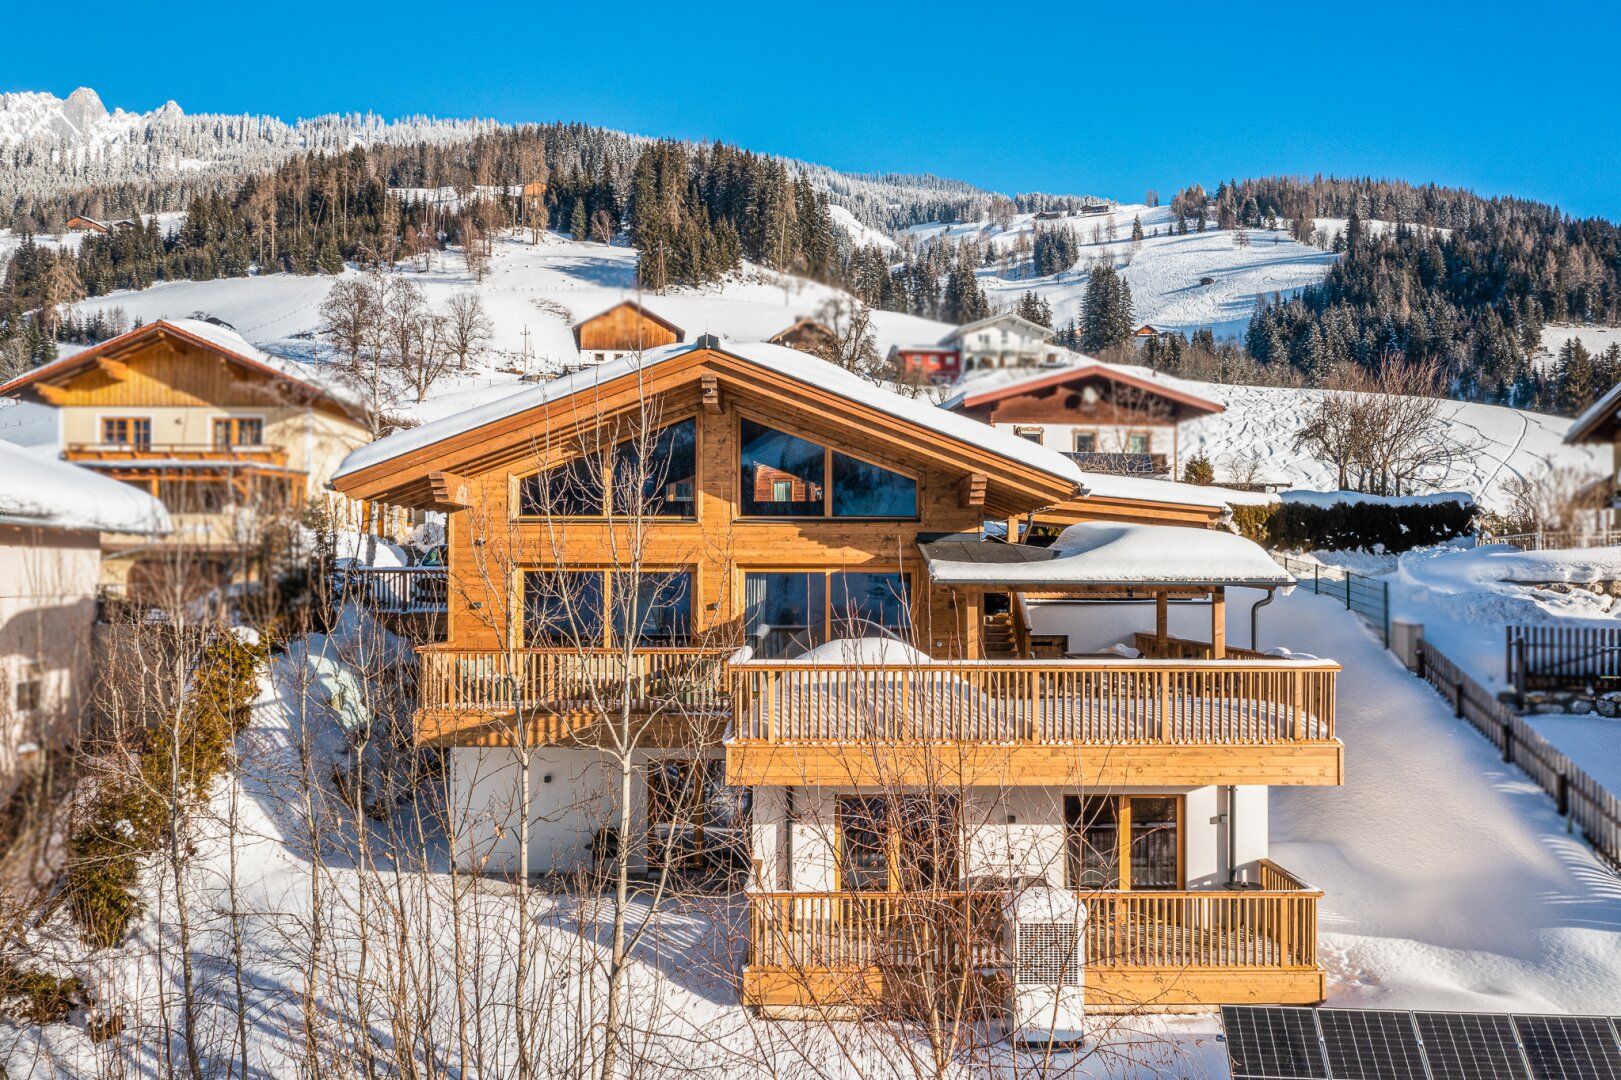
x=400, y=590
x=1273, y=927
x=564, y=680
x=204, y=452
x=1036, y=702
x=1175, y=648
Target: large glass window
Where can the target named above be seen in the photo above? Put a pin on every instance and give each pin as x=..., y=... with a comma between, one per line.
x=653, y=608
x=782, y=475
x=905, y=842
x=664, y=486
x=695, y=820
x=865, y=604
x=570, y=490
x=1122, y=841
x=666, y=483
x=785, y=614
x=861, y=489
x=563, y=607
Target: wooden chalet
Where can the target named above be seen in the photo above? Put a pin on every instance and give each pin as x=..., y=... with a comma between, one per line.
x=1108, y=419
x=622, y=330
x=806, y=335
x=1600, y=425
x=815, y=634
x=79, y=223
x=191, y=413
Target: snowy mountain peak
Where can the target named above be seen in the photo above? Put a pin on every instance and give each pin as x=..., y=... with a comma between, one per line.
x=83, y=109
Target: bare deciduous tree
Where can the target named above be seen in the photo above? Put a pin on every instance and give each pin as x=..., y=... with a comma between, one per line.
x=467, y=325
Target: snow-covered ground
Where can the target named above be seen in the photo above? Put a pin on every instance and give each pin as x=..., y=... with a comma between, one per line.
x=1595, y=339
x=1449, y=881
x=1164, y=272
x=1464, y=597
x=1449, y=884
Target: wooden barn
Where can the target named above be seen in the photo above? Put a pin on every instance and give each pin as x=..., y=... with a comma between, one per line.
x=79, y=223
x=806, y=335
x=627, y=327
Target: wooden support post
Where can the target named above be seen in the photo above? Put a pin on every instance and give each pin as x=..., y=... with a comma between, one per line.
x=1013, y=529
x=1162, y=620
x=1218, y=623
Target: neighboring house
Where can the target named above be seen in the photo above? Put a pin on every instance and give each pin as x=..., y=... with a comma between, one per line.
x=1106, y=418
x=1600, y=425
x=1003, y=341
x=215, y=428
x=77, y=223
x=807, y=335
x=1131, y=783
x=621, y=330
x=1148, y=332
x=1000, y=341
x=52, y=517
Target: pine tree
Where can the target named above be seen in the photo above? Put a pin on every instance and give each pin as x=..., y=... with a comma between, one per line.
x=579, y=224
x=1137, y=229
x=1105, y=310
x=1035, y=308
x=964, y=301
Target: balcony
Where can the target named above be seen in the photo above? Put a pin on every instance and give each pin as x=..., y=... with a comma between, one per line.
x=151, y=454
x=1156, y=948
x=1121, y=464
x=1086, y=722
x=482, y=698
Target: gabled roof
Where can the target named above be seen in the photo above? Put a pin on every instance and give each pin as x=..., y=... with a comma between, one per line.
x=775, y=369
x=640, y=309
x=1091, y=369
x=1598, y=421
x=1037, y=330
x=216, y=339
x=804, y=322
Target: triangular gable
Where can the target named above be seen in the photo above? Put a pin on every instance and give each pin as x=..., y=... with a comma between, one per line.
x=106, y=357
x=401, y=469
x=650, y=316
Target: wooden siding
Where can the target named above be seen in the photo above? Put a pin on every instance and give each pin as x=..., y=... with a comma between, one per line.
x=623, y=328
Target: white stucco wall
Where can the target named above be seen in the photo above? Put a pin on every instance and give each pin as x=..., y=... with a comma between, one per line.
x=1007, y=832
x=1094, y=627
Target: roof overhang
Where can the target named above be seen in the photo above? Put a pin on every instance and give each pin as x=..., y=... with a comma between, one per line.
x=1189, y=402
x=968, y=563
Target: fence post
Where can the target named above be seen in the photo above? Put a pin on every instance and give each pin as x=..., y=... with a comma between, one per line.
x=1508, y=742
x=1561, y=795
x=1457, y=699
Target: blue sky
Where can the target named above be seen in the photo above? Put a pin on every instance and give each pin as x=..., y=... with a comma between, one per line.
x=1075, y=97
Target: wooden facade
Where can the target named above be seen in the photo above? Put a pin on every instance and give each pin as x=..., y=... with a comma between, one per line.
x=168, y=408
x=1194, y=717
x=627, y=327
x=806, y=335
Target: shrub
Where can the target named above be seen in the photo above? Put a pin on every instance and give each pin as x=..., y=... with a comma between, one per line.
x=37, y=997
x=1198, y=470
x=1295, y=526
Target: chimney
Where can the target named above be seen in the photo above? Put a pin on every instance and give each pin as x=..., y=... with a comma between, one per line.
x=707, y=341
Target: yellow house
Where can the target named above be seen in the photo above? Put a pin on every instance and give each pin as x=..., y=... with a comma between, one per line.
x=218, y=430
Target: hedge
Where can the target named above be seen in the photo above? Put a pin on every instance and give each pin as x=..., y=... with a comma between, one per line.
x=1296, y=526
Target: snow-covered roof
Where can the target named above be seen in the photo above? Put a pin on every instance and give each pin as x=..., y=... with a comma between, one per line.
x=57, y=494
x=1147, y=489
x=790, y=362
x=1035, y=329
x=1007, y=382
x=1109, y=553
x=1583, y=427
x=214, y=336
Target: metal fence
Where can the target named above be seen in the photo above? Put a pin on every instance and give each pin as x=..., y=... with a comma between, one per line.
x=1545, y=539
x=1368, y=597
x=1562, y=657
x=1580, y=799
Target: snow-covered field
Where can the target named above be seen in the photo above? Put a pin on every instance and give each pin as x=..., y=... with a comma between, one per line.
x=1595, y=339
x=1164, y=272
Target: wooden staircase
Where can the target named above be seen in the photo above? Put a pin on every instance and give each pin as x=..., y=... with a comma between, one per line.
x=1002, y=639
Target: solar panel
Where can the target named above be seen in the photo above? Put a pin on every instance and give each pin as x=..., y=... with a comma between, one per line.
x=1368, y=1044
x=1273, y=1043
x=1471, y=1046
x=1569, y=1047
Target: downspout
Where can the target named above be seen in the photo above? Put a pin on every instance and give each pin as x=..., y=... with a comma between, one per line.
x=788, y=840
x=1232, y=836
x=1255, y=609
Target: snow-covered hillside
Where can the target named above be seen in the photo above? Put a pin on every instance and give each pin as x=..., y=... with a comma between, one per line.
x=1165, y=271
x=1257, y=432
x=533, y=294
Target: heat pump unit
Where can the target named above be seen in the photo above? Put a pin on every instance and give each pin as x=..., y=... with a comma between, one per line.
x=1046, y=943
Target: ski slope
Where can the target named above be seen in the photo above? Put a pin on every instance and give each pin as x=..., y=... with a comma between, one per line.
x=1164, y=271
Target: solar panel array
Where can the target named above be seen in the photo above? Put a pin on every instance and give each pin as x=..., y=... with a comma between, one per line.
x=1276, y=1043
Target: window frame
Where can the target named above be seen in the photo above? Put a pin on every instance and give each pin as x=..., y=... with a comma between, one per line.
x=515, y=482
x=235, y=424
x=1122, y=849
x=133, y=422
x=905, y=573
x=1147, y=438
x=828, y=451
x=1090, y=436
x=710, y=771
x=518, y=631
x=893, y=839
